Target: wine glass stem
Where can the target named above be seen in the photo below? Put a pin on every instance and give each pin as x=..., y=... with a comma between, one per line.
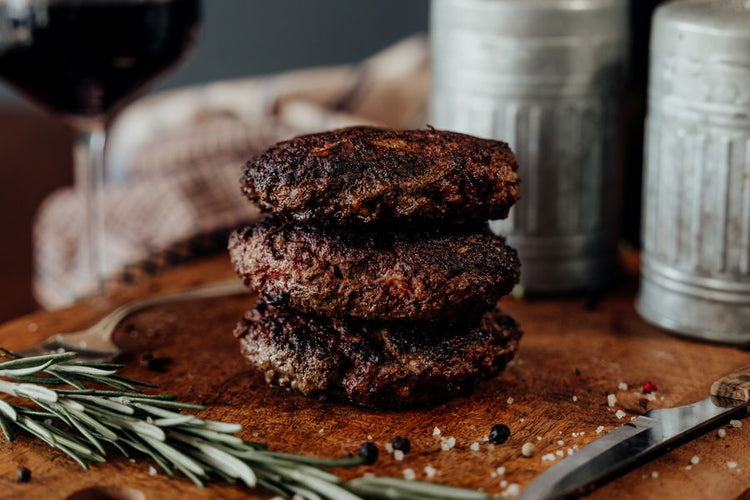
x=89, y=177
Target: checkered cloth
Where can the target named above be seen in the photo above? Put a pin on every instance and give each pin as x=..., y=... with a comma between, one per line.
x=174, y=160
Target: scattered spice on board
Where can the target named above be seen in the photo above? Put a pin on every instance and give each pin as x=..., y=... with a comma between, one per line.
x=649, y=387
x=23, y=475
x=499, y=433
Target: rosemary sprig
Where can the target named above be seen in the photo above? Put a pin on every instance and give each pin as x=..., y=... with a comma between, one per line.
x=86, y=422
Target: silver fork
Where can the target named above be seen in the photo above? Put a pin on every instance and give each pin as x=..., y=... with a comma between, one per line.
x=95, y=343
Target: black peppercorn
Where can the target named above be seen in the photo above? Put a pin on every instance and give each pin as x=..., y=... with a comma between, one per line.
x=23, y=475
x=401, y=443
x=155, y=364
x=499, y=433
x=369, y=452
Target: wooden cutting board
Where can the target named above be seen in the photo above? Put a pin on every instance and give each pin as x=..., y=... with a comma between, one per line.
x=567, y=352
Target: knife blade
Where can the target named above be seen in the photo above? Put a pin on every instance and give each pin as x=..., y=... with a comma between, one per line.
x=640, y=439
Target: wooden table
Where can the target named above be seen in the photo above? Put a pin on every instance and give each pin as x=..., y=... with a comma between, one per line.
x=567, y=351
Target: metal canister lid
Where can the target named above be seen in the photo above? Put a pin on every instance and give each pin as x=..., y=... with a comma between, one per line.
x=704, y=29
x=701, y=51
x=536, y=18
x=495, y=45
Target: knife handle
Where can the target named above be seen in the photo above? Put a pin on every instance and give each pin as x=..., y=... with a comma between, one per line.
x=736, y=385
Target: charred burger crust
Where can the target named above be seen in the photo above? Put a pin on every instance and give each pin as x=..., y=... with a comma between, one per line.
x=423, y=275
x=382, y=364
x=366, y=175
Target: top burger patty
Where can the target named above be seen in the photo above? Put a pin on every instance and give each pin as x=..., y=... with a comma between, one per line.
x=367, y=175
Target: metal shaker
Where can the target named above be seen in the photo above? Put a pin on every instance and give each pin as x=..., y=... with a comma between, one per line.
x=696, y=217
x=544, y=76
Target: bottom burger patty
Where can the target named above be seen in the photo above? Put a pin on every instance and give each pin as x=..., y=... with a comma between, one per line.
x=382, y=364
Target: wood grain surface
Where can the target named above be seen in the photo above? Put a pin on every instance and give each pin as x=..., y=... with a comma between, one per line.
x=567, y=352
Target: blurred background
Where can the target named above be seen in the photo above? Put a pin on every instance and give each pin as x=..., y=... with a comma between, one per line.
x=238, y=39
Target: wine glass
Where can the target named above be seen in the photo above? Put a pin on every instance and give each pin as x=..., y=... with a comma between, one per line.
x=83, y=60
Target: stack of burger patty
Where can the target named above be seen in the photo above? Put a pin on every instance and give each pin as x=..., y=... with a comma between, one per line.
x=377, y=273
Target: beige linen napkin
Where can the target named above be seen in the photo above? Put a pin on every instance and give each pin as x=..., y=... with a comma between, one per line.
x=174, y=160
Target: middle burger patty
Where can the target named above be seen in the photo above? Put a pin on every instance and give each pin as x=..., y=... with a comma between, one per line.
x=389, y=275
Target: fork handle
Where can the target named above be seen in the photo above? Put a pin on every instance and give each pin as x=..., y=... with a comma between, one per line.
x=108, y=323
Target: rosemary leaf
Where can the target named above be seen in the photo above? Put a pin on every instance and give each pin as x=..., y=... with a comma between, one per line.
x=23, y=371
x=20, y=362
x=381, y=486
x=68, y=380
x=7, y=429
x=7, y=410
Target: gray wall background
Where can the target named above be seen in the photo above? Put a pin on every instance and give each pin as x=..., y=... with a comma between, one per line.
x=249, y=37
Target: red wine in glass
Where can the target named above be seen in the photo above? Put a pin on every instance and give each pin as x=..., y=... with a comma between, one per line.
x=84, y=59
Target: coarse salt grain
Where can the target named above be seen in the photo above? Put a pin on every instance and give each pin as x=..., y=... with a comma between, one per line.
x=435, y=431
x=510, y=401
x=688, y=467
x=721, y=433
x=560, y=442
x=575, y=398
x=735, y=423
x=622, y=386
x=654, y=475
x=151, y=471
x=539, y=438
x=732, y=464
x=620, y=414
x=32, y=327
x=500, y=471
x=409, y=474
x=695, y=460
x=447, y=443
x=611, y=400
x=600, y=429
x=503, y=483
x=528, y=449
x=398, y=455
x=430, y=471
x=559, y=453
x=389, y=447
x=549, y=457
x=512, y=490
x=569, y=451
x=474, y=447
x=651, y=396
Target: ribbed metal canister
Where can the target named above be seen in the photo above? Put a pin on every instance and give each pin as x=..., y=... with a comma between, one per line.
x=696, y=216
x=544, y=76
